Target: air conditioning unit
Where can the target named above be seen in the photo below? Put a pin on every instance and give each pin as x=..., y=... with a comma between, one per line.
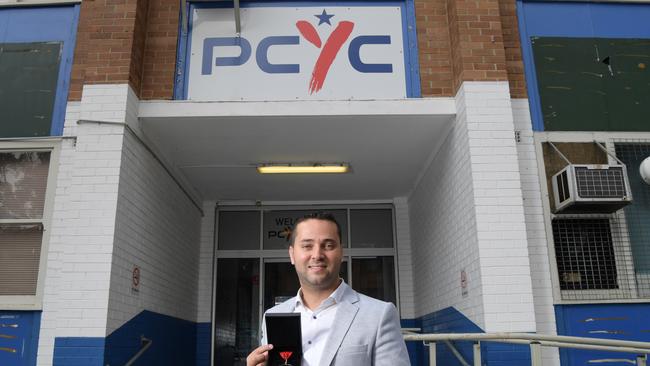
x=582, y=188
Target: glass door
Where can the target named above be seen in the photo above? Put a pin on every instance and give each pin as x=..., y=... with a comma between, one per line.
x=281, y=282
x=236, y=310
x=253, y=272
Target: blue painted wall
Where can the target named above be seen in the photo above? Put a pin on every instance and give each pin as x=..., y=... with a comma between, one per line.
x=450, y=320
x=418, y=353
x=46, y=24
x=609, y=321
x=174, y=343
x=79, y=351
x=19, y=337
x=203, y=338
x=565, y=19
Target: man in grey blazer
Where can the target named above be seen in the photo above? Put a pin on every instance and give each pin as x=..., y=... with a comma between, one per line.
x=339, y=326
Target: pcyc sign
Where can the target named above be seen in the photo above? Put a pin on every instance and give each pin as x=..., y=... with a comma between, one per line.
x=298, y=53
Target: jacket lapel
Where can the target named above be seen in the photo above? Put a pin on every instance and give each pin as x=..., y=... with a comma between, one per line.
x=345, y=314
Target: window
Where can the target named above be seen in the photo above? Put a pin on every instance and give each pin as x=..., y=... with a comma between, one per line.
x=34, y=2
x=600, y=255
x=25, y=202
x=36, y=49
x=28, y=77
x=584, y=254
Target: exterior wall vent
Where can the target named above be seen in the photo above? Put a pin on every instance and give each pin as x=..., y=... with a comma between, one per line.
x=585, y=188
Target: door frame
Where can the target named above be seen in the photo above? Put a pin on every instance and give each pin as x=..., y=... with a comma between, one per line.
x=282, y=255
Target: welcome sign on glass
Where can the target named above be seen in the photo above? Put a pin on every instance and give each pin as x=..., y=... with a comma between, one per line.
x=289, y=53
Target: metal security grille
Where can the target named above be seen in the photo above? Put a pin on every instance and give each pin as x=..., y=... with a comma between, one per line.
x=600, y=183
x=607, y=256
x=585, y=254
x=636, y=217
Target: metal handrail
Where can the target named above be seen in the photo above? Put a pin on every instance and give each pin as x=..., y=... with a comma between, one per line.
x=145, y=343
x=535, y=341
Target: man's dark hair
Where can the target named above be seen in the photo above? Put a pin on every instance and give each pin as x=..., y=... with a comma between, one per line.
x=325, y=216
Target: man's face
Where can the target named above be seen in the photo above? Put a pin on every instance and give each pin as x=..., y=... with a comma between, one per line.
x=316, y=253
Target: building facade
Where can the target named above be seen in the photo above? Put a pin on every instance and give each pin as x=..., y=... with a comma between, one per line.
x=132, y=210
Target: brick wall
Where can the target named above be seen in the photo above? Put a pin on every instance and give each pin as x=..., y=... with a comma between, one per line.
x=514, y=62
x=138, y=47
x=467, y=212
x=204, y=312
x=160, y=52
x=540, y=267
x=127, y=41
x=404, y=261
x=75, y=300
x=436, y=72
x=461, y=40
x=135, y=41
x=156, y=229
x=105, y=40
x=443, y=232
x=500, y=222
x=477, y=42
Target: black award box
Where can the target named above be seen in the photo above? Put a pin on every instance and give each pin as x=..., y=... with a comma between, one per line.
x=283, y=332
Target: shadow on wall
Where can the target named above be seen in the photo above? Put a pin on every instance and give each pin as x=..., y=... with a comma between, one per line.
x=174, y=341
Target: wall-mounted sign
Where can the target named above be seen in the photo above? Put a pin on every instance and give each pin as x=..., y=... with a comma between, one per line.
x=287, y=53
x=135, y=279
x=463, y=283
x=278, y=226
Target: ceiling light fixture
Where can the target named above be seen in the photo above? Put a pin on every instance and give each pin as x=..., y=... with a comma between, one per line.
x=303, y=168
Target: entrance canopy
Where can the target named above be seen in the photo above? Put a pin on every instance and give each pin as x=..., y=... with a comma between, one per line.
x=217, y=145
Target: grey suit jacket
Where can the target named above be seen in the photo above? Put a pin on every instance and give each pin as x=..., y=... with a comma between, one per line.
x=366, y=331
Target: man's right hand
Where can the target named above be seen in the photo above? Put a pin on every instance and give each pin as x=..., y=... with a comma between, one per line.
x=259, y=356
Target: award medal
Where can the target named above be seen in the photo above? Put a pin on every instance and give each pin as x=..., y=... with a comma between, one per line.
x=285, y=356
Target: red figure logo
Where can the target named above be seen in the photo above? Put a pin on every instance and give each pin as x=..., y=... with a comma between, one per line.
x=328, y=52
x=285, y=356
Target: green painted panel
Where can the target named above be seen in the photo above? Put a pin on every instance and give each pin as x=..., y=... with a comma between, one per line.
x=593, y=84
x=28, y=77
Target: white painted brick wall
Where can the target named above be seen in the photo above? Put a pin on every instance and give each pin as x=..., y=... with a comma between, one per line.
x=84, y=263
x=536, y=233
x=467, y=212
x=485, y=107
x=75, y=300
x=205, y=263
x=107, y=102
x=158, y=230
x=443, y=231
x=404, y=265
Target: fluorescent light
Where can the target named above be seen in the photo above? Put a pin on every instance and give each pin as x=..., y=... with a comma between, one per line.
x=304, y=168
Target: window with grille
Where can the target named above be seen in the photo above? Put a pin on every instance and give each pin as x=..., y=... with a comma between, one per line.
x=23, y=183
x=606, y=256
x=637, y=214
x=585, y=254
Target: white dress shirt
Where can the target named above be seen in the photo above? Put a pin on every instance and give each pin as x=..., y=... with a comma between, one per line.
x=316, y=325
